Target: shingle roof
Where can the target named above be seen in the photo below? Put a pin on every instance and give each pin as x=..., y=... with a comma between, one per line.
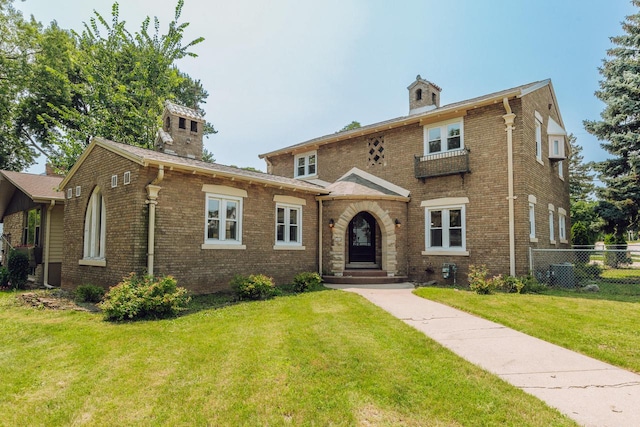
x=181, y=110
x=358, y=183
x=146, y=157
x=410, y=119
x=39, y=188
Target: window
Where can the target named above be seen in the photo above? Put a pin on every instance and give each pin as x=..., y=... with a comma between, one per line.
x=445, y=229
x=114, y=181
x=418, y=94
x=305, y=165
x=78, y=190
x=445, y=137
x=561, y=169
x=224, y=219
x=167, y=124
x=538, y=137
x=95, y=227
x=69, y=193
x=126, y=179
x=31, y=231
x=194, y=126
x=182, y=123
x=376, y=151
x=288, y=225
x=532, y=219
x=562, y=225
x=552, y=221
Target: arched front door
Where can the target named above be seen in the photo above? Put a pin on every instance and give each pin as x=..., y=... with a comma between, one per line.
x=362, y=238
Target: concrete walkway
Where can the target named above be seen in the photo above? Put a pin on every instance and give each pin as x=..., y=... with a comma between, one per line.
x=591, y=392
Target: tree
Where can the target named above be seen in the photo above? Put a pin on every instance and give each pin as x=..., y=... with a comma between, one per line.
x=581, y=185
x=350, y=126
x=619, y=127
x=207, y=156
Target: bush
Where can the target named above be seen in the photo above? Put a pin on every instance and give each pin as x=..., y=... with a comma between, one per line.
x=253, y=287
x=531, y=286
x=479, y=282
x=4, y=277
x=144, y=297
x=618, y=247
x=88, y=293
x=509, y=284
x=306, y=281
x=18, y=267
x=587, y=272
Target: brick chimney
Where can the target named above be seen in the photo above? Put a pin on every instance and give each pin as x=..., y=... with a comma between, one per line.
x=423, y=96
x=181, y=132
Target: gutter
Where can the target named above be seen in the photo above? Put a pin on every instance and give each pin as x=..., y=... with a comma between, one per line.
x=152, y=193
x=509, y=118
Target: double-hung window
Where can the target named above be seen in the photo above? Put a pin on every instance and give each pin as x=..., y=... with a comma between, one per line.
x=306, y=164
x=223, y=223
x=562, y=225
x=532, y=218
x=288, y=224
x=552, y=221
x=443, y=137
x=445, y=225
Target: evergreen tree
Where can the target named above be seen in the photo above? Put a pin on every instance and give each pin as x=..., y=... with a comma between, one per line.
x=581, y=185
x=619, y=127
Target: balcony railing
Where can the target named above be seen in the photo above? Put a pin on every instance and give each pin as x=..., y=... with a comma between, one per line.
x=441, y=164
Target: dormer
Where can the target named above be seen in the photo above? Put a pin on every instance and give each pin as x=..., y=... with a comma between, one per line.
x=557, y=139
x=423, y=96
x=181, y=132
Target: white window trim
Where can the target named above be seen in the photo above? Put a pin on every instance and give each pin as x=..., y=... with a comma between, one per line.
x=224, y=243
x=287, y=244
x=432, y=205
x=69, y=193
x=538, y=136
x=562, y=225
x=561, y=169
x=306, y=156
x=114, y=181
x=126, y=178
x=78, y=190
x=91, y=251
x=443, y=136
x=552, y=222
x=532, y=219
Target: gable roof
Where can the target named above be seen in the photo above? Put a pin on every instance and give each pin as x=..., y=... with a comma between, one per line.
x=358, y=184
x=146, y=158
x=39, y=188
x=449, y=109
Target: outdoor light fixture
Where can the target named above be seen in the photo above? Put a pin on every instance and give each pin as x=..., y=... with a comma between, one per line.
x=398, y=223
x=331, y=223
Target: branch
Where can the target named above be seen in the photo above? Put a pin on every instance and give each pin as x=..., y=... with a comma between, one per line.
x=35, y=145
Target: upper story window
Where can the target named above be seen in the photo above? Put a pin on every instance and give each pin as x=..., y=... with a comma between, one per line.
x=95, y=227
x=418, y=94
x=561, y=169
x=288, y=224
x=194, y=126
x=538, y=136
x=444, y=137
x=306, y=164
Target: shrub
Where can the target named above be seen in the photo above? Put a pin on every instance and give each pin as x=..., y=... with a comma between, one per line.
x=4, y=277
x=587, y=271
x=88, y=293
x=509, y=284
x=18, y=267
x=253, y=287
x=530, y=285
x=144, y=297
x=306, y=281
x=479, y=282
x=616, y=251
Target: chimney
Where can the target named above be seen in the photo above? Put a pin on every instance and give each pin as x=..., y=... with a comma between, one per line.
x=423, y=96
x=49, y=170
x=181, y=132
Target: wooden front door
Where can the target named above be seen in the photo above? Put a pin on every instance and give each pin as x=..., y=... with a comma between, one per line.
x=362, y=238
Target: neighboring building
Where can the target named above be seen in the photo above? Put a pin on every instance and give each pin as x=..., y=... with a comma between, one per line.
x=428, y=194
x=138, y=210
x=31, y=211
x=419, y=197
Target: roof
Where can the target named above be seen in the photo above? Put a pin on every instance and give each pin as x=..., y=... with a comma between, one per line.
x=146, y=157
x=421, y=117
x=39, y=188
x=357, y=184
x=181, y=110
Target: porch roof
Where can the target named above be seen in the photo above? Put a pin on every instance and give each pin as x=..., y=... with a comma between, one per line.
x=39, y=188
x=358, y=184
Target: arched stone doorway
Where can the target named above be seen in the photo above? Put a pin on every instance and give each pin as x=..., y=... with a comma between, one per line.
x=340, y=240
x=362, y=240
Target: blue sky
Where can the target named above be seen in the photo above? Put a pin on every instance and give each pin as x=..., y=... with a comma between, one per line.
x=284, y=71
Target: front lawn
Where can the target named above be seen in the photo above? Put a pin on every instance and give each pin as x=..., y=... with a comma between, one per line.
x=600, y=328
x=323, y=358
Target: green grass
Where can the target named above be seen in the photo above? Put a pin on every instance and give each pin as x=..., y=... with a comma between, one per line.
x=586, y=323
x=322, y=358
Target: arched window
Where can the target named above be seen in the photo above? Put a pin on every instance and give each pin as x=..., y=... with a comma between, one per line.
x=167, y=124
x=418, y=94
x=95, y=226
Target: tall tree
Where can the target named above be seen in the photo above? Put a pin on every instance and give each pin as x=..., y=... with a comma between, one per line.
x=619, y=127
x=581, y=185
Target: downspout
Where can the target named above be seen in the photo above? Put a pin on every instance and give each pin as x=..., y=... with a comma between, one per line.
x=152, y=193
x=47, y=243
x=320, y=237
x=508, y=121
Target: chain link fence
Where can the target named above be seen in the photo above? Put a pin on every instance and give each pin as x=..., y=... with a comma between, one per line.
x=611, y=269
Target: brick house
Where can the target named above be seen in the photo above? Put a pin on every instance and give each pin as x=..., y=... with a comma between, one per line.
x=419, y=197
x=428, y=194
x=166, y=211
x=31, y=211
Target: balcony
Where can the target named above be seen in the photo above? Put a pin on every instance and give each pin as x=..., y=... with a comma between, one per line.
x=441, y=164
